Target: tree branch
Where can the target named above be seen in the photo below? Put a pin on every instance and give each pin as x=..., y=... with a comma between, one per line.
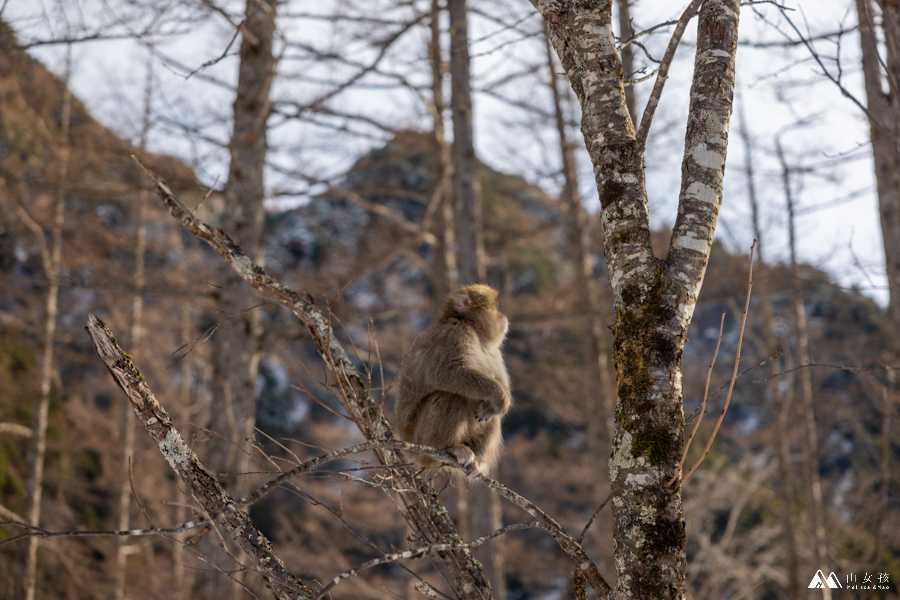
x=734, y=375
x=425, y=550
x=424, y=512
x=706, y=141
x=668, y=57
x=569, y=545
x=203, y=486
x=687, y=445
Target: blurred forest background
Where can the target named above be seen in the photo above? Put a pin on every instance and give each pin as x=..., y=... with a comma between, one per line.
x=342, y=162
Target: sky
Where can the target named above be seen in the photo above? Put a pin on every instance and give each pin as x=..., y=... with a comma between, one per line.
x=782, y=93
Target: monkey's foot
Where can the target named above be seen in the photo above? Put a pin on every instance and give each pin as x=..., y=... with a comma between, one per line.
x=464, y=456
x=468, y=461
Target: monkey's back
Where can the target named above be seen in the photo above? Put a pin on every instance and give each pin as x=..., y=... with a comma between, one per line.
x=414, y=386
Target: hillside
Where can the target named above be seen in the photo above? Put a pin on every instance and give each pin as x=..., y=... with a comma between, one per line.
x=101, y=186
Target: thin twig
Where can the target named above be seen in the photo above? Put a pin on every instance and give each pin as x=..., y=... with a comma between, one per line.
x=649, y=30
x=594, y=516
x=660, y=82
x=835, y=80
x=569, y=545
x=778, y=354
x=233, y=507
x=842, y=367
x=687, y=444
x=425, y=550
x=737, y=362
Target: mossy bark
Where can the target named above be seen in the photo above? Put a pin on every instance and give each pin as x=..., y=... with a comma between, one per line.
x=654, y=298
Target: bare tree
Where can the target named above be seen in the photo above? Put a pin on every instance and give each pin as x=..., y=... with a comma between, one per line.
x=236, y=353
x=236, y=348
x=805, y=375
x=445, y=275
x=51, y=260
x=466, y=200
x=883, y=111
x=654, y=297
x=136, y=337
x=779, y=401
x=470, y=263
x=884, y=120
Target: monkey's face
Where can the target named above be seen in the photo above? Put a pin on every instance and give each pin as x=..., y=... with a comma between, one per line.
x=496, y=324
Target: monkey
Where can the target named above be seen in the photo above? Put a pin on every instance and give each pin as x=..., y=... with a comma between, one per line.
x=454, y=388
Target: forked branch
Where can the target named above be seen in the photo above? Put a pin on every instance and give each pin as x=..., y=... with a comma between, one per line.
x=663, y=74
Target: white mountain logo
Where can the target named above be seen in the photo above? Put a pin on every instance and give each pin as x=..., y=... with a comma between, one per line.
x=819, y=580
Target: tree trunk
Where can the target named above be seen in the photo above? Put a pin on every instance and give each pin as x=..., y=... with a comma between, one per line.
x=600, y=402
x=654, y=299
x=52, y=261
x=470, y=266
x=884, y=119
x=466, y=195
x=884, y=498
x=445, y=276
x=805, y=375
x=779, y=402
x=236, y=345
x=123, y=547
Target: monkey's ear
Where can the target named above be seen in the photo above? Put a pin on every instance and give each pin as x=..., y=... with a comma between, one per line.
x=462, y=301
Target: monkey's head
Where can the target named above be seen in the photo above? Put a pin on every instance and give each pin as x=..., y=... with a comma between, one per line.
x=477, y=305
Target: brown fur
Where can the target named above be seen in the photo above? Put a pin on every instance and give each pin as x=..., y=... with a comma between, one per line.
x=454, y=388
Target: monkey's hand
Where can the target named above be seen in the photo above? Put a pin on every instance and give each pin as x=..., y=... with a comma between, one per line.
x=485, y=410
x=491, y=408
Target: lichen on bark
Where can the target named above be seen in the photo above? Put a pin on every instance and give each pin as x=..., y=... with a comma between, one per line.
x=654, y=298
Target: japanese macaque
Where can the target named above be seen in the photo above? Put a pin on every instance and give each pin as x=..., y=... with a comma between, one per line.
x=454, y=388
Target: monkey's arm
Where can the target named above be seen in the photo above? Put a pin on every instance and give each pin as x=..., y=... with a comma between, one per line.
x=459, y=377
x=465, y=370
